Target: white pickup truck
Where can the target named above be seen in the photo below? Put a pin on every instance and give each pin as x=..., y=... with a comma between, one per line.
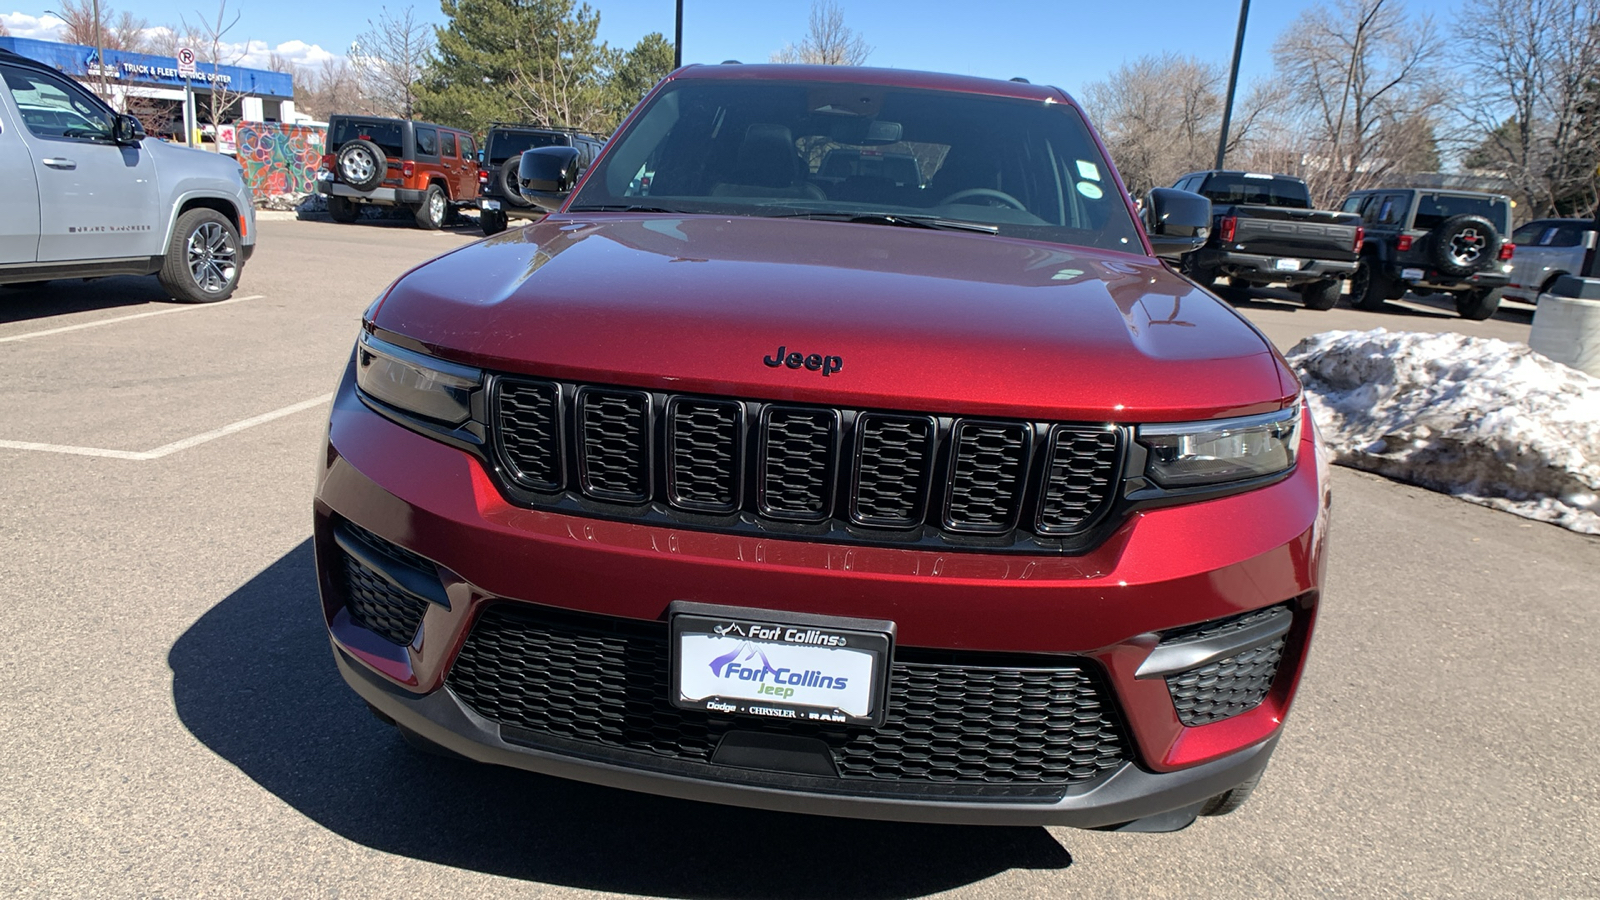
x=84, y=194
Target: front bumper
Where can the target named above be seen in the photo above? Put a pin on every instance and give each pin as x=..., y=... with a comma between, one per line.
x=1261, y=269
x=1162, y=569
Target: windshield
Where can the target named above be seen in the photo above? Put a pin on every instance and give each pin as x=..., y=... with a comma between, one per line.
x=791, y=148
x=1257, y=190
x=506, y=144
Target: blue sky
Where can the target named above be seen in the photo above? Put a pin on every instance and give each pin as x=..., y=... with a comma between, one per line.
x=1065, y=42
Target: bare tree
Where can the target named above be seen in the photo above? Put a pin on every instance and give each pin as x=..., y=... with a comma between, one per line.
x=128, y=33
x=214, y=46
x=3, y=31
x=1361, y=80
x=1160, y=117
x=1527, y=95
x=332, y=88
x=829, y=42
x=389, y=59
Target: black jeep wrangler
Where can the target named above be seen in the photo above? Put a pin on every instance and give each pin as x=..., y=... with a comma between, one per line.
x=499, y=199
x=1432, y=240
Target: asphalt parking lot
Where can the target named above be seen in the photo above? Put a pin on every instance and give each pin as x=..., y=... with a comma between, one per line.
x=172, y=723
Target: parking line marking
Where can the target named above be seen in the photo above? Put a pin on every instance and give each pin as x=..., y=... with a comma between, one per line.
x=144, y=315
x=175, y=446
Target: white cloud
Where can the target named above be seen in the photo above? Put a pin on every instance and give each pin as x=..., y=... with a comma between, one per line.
x=47, y=27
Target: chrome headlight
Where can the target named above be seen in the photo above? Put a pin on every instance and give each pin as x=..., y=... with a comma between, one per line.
x=416, y=383
x=1192, y=454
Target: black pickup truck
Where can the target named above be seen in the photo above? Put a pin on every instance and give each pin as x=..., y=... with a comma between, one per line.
x=1264, y=231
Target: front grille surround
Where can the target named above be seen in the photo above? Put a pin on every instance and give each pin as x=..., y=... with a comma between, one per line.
x=802, y=470
x=953, y=719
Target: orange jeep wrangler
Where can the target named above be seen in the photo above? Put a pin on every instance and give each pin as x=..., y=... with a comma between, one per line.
x=430, y=169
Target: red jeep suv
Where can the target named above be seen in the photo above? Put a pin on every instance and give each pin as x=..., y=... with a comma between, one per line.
x=935, y=498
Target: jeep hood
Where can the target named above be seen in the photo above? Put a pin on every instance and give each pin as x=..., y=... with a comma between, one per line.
x=924, y=320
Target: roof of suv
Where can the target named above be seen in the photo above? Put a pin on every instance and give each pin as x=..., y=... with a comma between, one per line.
x=867, y=75
x=1454, y=192
x=374, y=118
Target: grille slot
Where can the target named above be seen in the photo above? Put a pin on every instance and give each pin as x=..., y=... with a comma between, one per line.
x=614, y=458
x=987, y=470
x=1227, y=687
x=894, y=456
x=1081, y=474
x=798, y=450
x=605, y=681
x=703, y=449
x=529, y=420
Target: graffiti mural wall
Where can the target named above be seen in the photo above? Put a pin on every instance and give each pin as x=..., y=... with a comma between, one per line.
x=280, y=159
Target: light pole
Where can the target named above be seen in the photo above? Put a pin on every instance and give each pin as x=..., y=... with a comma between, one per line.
x=1233, y=83
x=677, y=40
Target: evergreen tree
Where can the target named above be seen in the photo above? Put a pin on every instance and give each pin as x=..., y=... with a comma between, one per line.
x=533, y=61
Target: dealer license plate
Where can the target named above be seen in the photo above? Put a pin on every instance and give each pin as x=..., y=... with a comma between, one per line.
x=489, y=204
x=780, y=665
x=1287, y=265
x=1411, y=274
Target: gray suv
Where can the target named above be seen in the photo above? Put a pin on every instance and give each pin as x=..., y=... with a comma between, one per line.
x=85, y=194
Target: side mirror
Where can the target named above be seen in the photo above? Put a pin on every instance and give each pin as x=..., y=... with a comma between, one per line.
x=125, y=129
x=1177, y=222
x=546, y=175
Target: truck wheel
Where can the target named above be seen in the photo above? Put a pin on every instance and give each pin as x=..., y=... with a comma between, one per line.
x=342, y=210
x=492, y=221
x=1320, y=295
x=431, y=212
x=1205, y=276
x=361, y=164
x=507, y=179
x=1370, y=287
x=1230, y=800
x=1478, y=304
x=203, y=262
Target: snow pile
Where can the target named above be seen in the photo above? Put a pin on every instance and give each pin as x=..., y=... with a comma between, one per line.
x=1485, y=420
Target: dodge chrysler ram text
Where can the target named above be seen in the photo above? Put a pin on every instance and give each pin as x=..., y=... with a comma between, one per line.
x=927, y=495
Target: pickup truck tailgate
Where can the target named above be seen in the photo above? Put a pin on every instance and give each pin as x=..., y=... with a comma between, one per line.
x=1304, y=233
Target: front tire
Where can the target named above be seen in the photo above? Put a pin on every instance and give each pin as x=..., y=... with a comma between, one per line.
x=1230, y=800
x=343, y=211
x=1320, y=295
x=492, y=221
x=203, y=260
x=1478, y=304
x=433, y=209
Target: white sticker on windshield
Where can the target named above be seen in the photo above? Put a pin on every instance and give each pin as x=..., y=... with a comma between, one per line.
x=1092, y=191
x=1088, y=170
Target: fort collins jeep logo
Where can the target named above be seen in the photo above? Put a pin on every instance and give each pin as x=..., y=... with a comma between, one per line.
x=814, y=361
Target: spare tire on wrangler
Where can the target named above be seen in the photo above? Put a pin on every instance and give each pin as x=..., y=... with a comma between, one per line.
x=508, y=182
x=1461, y=245
x=361, y=164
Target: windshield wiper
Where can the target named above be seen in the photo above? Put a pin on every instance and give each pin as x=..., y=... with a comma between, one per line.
x=903, y=220
x=622, y=207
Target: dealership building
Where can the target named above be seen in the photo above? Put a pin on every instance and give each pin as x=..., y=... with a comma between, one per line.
x=154, y=83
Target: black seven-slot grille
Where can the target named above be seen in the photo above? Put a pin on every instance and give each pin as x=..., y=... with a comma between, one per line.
x=604, y=682
x=889, y=475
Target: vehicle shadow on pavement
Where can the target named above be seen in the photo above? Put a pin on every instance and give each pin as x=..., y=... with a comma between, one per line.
x=254, y=680
x=19, y=304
